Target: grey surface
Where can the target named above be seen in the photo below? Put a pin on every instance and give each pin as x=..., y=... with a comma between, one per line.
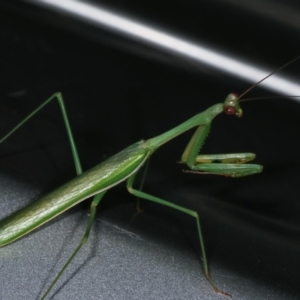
x=119, y=261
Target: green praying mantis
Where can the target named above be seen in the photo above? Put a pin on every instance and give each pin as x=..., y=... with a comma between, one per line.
x=124, y=166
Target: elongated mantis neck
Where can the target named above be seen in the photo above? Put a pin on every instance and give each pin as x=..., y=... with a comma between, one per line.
x=200, y=119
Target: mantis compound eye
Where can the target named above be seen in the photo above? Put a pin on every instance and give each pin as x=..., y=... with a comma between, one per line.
x=229, y=110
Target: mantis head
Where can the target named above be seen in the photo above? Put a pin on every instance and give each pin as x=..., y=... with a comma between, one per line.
x=232, y=106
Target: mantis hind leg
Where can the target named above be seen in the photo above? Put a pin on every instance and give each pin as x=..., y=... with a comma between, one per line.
x=93, y=208
x=190, y=212
x=96, y=200
x=59, y=98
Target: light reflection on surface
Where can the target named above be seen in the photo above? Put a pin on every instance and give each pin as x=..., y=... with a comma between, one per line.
x=147, y=34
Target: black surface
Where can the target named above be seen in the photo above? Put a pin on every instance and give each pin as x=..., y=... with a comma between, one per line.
x=118, y=92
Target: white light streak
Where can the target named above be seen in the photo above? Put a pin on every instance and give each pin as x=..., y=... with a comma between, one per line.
x=142, y=32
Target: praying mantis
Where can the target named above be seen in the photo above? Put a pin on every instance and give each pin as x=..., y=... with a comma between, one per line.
x=124, y=166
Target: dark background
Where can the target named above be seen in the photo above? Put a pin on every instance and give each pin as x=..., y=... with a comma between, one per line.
x=118, y=91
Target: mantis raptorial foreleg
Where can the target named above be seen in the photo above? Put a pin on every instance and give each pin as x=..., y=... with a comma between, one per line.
x=230, y=165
